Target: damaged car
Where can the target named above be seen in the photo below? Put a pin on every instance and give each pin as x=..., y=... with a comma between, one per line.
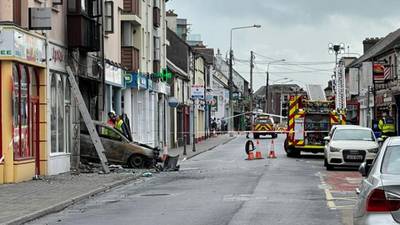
x=118, y=148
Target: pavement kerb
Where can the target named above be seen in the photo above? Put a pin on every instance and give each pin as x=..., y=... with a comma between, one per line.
x=209, y=149
x=62, y=205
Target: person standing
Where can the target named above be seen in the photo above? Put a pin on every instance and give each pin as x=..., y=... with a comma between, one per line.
x=386, y=125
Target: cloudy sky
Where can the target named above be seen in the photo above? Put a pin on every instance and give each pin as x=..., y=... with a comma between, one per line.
x=298, y=31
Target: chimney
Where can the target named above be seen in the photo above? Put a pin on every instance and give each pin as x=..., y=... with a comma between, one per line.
x=369, y=43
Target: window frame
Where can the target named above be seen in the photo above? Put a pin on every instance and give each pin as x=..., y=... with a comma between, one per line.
x=109, y=17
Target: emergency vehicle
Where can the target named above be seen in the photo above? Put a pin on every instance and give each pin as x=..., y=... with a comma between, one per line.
x=263, y=125
x=308, y=123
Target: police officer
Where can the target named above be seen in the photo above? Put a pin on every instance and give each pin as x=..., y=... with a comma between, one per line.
x=387, y=126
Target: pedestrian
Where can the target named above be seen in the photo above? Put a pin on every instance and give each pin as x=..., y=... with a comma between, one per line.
x=111, y=118
x=386, y=125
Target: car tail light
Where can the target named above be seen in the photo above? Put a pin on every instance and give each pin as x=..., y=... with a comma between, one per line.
x=381, y=201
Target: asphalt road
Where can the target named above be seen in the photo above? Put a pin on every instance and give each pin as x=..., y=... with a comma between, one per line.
x=217, y=187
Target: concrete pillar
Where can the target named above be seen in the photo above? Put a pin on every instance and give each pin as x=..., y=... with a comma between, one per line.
x=128, y=105
x=117, y=100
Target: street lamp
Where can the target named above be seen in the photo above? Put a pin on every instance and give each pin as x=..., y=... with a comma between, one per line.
x=230, y=124
x=267, y=82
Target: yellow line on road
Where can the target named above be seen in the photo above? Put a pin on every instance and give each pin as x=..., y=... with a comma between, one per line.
x=329, y=199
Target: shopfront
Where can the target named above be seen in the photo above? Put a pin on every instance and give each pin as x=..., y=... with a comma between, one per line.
x=23, y=104
x=60, y=125
x=114, y=85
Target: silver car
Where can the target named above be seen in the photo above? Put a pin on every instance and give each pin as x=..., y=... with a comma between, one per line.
x=349, y=145
x=379, y=193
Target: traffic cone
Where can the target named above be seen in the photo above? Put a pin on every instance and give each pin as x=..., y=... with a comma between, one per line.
x=250, y=156
x=165, y=153
x=271, y=153
x=258, y=155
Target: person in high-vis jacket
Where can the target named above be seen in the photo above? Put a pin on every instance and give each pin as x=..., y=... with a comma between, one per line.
x=387, y=126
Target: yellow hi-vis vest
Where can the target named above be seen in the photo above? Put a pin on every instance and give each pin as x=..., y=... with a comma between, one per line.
x=386, y=125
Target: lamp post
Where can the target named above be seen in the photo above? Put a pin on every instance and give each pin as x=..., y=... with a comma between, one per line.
x=267, y=82
x=230, y=123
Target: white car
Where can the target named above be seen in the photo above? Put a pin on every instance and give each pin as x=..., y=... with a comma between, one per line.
x=350, y=145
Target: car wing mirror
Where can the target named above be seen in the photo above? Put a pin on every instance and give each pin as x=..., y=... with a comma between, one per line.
x=327, y=138
x=380, y=140
x=364, y=169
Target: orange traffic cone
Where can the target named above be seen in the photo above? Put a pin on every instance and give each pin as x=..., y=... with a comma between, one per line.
x=258, y=155
x=165, y=153
x=250, y=156
x=271, y=153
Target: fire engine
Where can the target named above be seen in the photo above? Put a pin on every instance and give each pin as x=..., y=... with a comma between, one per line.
x=308, y=123
x=263, y=125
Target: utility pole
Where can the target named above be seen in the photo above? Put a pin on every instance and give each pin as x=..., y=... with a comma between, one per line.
x=251, y=82
x=266, y=93
x=194, y=103
x=230, y=122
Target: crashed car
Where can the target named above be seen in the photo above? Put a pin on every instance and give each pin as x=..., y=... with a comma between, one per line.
x=118, y=148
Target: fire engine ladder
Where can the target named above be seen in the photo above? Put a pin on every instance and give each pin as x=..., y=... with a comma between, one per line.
x=88, y=120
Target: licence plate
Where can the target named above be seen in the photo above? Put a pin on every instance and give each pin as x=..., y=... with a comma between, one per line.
x=354, y=157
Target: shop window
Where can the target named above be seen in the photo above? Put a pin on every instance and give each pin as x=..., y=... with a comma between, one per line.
x=60, y=114
x=25, y=126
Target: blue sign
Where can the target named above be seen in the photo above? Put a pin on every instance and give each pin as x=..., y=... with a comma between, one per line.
x=136, y=80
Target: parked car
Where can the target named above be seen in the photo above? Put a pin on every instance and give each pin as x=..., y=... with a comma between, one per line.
x=349, y=145
x=379, y=193
x=118, y=149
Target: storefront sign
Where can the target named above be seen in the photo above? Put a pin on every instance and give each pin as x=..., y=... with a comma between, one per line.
x=113, y=75
x=57, y=57
x=197, y=92
x=20, y=44
x=150, y=85
x=163, y=88
x=40, y=18
x=136, y=80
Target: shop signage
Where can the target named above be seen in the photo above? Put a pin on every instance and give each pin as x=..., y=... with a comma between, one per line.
x=163, y=88
x=136, y=80
x=19, y=44
x=164, y=75
x=57, y=56
x=150, y=85
x=39, y=18
x=197, y=92
x=113, y=75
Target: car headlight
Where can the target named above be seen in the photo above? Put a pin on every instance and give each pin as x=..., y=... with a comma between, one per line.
x=373, y=150
x=332, y=149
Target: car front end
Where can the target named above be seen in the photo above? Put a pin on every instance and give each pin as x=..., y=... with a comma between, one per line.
x=352, y=155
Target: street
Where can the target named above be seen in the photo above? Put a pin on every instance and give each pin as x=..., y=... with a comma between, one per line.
x=221, y=187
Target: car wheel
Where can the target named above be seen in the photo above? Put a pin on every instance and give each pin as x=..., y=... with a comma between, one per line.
x=293, y=153
x=328, y=166
x=136, y=161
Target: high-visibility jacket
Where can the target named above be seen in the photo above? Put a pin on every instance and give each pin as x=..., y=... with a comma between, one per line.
x=386, y=125
x=118, y=124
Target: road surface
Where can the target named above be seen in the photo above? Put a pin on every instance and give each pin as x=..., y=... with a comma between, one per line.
x=221, y=187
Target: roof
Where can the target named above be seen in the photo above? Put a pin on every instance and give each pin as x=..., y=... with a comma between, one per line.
x=394, y=141
x=208, y=54
x=340, y=127
x=386, y=43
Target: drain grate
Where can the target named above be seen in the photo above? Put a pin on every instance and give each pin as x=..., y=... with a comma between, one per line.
x=154, y=195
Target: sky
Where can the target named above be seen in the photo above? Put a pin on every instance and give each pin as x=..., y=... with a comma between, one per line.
x=298, y=31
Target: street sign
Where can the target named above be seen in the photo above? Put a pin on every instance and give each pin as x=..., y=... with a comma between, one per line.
x=197, y=92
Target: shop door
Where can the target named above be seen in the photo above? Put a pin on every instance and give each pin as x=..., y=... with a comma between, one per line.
x=35, y=132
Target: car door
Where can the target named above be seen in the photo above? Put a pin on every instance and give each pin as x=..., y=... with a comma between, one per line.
x=113, y=143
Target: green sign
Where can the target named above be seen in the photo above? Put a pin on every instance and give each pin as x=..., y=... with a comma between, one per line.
x=164, y=75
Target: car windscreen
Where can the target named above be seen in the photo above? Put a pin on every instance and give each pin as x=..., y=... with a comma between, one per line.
x=391, y=160
x=353, y=135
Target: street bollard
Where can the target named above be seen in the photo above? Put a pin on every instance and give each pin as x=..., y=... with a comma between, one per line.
x=194, y=143
x=184, y=145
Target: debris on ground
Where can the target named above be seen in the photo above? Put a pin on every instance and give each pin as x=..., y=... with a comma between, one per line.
x=147, y=174
x=171, y=163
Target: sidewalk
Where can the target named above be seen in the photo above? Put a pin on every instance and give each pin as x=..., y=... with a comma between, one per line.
x=201, y=147
x=29, y=200
x=25, y=201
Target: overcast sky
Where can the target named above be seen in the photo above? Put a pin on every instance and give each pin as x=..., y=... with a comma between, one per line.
x=295, y=30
